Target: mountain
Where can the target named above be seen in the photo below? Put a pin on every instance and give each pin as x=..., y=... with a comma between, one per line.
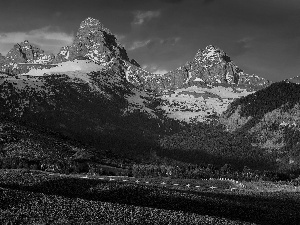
x=93, y=93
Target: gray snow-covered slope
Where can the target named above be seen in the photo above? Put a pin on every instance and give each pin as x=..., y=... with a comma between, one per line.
x=202, y=103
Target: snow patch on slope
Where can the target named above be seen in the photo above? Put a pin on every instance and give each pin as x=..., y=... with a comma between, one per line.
x=137, y=101
x=75, y=65
x=199, y=103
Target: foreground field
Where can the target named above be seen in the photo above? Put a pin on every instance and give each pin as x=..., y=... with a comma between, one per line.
x=29, y=197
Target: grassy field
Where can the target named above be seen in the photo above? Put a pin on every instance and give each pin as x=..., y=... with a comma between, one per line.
x=32, y=197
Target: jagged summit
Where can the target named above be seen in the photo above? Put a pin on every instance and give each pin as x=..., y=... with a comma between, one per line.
x=94, y=42
x=213, y=65
x=25, y=52
x=211, y=55
x=23, y=57
x=91, y=23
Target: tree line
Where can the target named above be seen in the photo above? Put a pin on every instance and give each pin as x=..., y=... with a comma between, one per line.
x=180, y=171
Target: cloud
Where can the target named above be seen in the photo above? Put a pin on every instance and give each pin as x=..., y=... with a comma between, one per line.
x=170, y=41
x=151, y=43
x=153, y=68
x=138, y=44
x=140, y=17
x=245, y=42
x=49, y=38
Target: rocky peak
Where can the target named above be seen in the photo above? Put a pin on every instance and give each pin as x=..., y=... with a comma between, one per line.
x=25, y=52
x=213, y=65
x=95, y=42
x=93, y=24
x=211, y=56
x=22, y=57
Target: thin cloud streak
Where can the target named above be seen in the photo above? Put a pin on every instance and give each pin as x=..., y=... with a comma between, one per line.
x=138, y=44
x=151, y=43
x=144, y=16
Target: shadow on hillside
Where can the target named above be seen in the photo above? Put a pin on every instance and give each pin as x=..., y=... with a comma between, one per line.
x=209, y=144
x=258, y=208
x=278, y=95
x=236, y=159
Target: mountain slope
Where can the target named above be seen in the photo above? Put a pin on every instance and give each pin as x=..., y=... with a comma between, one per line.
x=271, y=117
x=25, y=145
x=87, y=102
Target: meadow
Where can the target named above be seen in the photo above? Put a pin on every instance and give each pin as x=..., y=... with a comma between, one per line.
x=35, y=197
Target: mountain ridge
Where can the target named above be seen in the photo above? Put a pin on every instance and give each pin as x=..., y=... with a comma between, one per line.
x=95, y=42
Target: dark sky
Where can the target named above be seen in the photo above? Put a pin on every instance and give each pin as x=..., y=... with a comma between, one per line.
x=260, y=36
